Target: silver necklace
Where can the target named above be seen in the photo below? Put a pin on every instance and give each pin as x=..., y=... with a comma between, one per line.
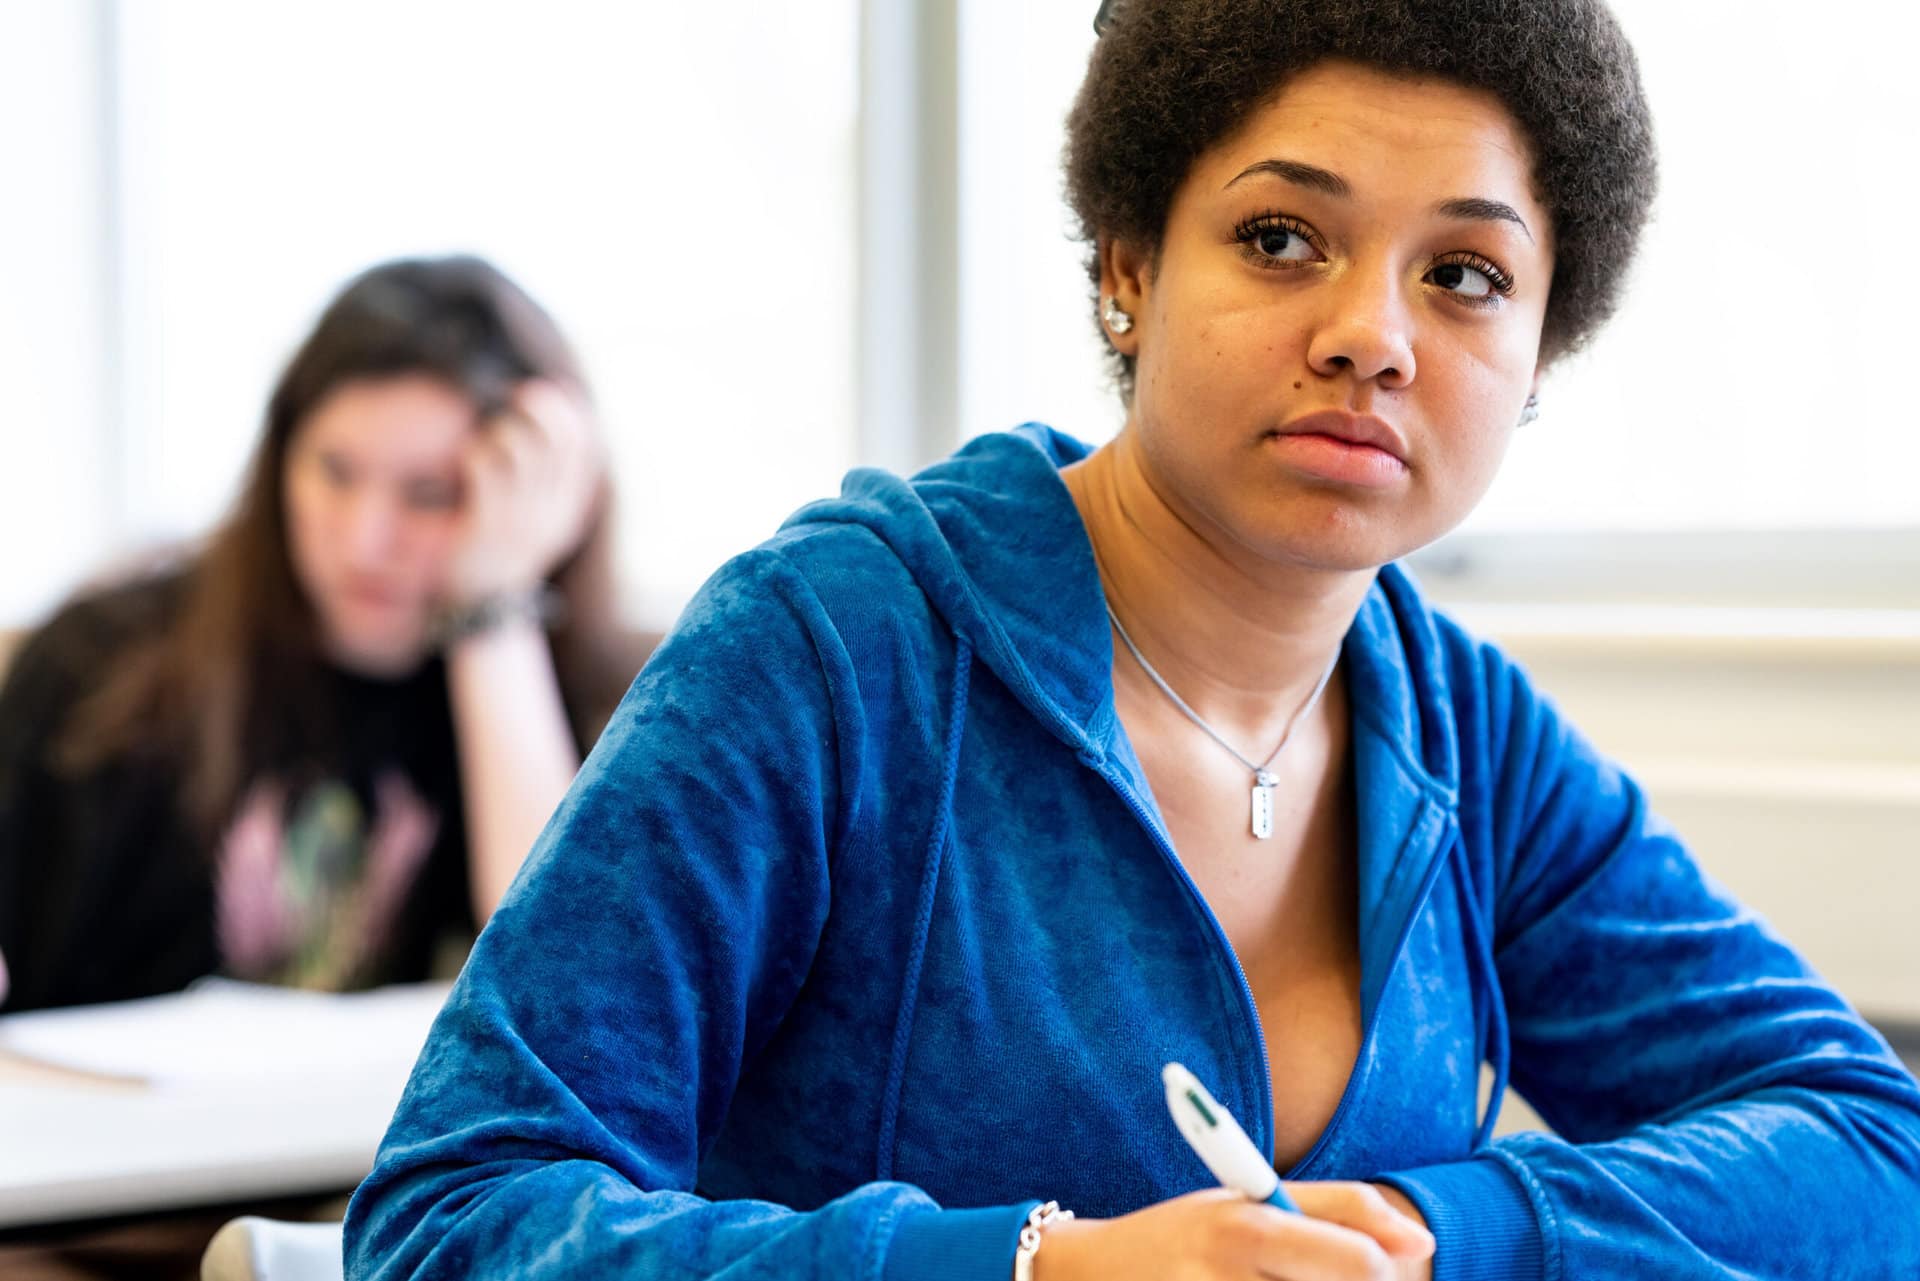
x=1263, y=779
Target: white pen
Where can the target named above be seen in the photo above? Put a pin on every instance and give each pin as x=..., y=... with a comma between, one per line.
x=1217, y=1139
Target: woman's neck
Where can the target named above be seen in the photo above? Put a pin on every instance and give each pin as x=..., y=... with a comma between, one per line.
x=1243, y=640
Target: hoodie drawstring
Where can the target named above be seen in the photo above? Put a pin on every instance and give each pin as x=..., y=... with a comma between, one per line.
x=923, y=917
x=1489, y=1002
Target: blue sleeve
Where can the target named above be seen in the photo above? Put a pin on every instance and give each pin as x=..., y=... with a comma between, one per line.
x=664, y=922
x=1720, y=1111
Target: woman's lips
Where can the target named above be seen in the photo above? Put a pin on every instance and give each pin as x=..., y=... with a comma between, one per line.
x=373, y=596
x=1331, y=458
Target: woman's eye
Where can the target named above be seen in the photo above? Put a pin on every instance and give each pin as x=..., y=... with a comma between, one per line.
x=1479, y=282
x=432, y=497
x=1284, y=243
x=1271, y=240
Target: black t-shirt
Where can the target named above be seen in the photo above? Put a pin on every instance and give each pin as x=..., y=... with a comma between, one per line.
x=343, y=865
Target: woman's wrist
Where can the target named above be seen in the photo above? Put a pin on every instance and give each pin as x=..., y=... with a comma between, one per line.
x=459, y=620
x=1408, y=1269
x=1055, y=1260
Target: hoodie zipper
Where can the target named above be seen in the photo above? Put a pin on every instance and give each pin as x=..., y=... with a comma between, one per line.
x=1428, y=879
x=1265, y=1096
x=1247, y=1005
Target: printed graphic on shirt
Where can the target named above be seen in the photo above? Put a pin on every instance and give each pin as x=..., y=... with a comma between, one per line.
x=309, y=892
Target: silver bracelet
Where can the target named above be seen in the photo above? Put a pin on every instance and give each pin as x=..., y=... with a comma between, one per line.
x=1043, y=1216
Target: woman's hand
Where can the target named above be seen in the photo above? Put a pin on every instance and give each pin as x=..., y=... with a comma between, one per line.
x=533, y=477
x=1345, y=1232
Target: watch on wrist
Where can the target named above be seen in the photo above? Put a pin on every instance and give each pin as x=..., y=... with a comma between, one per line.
x=454, y=623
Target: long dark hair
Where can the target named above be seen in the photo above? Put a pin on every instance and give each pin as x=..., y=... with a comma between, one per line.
x=241, y=656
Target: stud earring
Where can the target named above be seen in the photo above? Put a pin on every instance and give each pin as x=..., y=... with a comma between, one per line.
x=1530, y=411
x=1116, y=319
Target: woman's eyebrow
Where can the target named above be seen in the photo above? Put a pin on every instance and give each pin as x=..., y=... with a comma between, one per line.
x=1480, y=209
x=1301, y=175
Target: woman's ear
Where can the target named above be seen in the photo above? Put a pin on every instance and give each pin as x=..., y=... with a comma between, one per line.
x=1125, y=281
x=1531, y=410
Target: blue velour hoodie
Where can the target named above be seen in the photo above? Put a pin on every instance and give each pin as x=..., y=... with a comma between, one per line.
x=860, y=932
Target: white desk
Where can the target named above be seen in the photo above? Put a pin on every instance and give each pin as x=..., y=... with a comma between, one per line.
x=298, y=1109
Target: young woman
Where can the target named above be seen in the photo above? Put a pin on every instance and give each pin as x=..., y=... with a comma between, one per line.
x=950, y=815
x=327, y=740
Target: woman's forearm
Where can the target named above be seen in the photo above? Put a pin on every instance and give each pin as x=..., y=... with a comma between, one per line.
x=516, y=748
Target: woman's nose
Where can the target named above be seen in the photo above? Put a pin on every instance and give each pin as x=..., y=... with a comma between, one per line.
x=368, y=527
x=1366, y=330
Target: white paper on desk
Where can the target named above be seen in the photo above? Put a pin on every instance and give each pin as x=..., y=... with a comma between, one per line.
x=219, y=1031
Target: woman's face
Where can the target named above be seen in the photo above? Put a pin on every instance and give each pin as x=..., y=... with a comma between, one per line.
x=1367, y=249
x=373, y=495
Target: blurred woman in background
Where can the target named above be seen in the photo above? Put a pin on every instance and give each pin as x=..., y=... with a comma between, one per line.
x=322, y=745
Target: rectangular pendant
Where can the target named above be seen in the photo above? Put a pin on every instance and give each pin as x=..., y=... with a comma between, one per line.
x=1262, y=811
